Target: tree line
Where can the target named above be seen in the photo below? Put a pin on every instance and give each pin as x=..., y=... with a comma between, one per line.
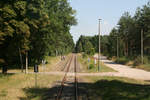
x=34, y=29
x=128, y=34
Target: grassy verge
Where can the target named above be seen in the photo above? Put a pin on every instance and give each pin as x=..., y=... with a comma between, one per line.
x=19, y=86
x=51, y=61
x=114, y=88
x=50, y=66
x=144, y=67
x=91, y=67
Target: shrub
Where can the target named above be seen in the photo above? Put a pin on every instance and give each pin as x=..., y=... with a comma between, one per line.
x=114, y=58
x=122, y=60
x=137, y=61
x=146, y=60
x=91, y=66
x=149, y=58
x=130, y=63
x=84, y=55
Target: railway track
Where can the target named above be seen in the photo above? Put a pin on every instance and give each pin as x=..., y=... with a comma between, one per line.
x=61, y=66
x=69, y=84
x=65, y=64
x=76, y=79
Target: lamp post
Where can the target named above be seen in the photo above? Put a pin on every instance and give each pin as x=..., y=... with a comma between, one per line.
x=99, y=46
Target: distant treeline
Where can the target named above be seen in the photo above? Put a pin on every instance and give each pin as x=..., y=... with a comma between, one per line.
x=36, y=28
x=128, y=33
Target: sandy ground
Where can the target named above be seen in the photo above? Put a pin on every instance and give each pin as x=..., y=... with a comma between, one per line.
x=125, y=71
x=122, y=71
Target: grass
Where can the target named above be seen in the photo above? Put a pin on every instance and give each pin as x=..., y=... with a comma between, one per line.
x=85, y=64
x=48, y=67
x=110, y=78
x=14, y=86
x=22, y=86
x=116, y=88
x=144, y=67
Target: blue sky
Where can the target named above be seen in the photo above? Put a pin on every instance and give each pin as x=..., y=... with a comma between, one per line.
x=89, y=11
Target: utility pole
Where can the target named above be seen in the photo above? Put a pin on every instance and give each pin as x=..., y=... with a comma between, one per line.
x=142, y=46
x=26, y=62
x=99, y=47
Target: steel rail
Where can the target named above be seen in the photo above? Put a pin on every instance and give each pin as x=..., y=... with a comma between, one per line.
x=76, y=79
x=59, y=94
x=62, y=69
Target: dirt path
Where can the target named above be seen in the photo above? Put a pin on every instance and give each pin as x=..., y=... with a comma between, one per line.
x=122, y=71
x=126, y=71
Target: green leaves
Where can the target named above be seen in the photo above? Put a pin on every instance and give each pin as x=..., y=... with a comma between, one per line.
x=8, y=30
x=8, y=12
x=84, y=44
x=20, y=7
x=39, y=27
x=125, y=38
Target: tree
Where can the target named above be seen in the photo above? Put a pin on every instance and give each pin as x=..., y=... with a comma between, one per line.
x=37, y=27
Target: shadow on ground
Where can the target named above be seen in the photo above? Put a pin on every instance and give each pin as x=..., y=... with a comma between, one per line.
x=6, y=75
x=100, y=90
x=107, y=62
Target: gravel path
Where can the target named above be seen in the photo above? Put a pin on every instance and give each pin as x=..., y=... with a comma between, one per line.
x=125, y=71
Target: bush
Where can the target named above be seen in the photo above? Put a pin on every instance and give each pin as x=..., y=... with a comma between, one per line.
x=84, y=55
x=114, y=58
x=122, y=60
x=146, y=60
x=149, y=58
x=91, y=66
x=138, y=61
x=92, y=51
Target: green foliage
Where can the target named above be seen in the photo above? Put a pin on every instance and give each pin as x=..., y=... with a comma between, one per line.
x=137, y=60
x=84, y=55
x=146, y=60
x=91, y=66
x=85, y=45
x=126, y=36
x=122, y=60
x=39, y=27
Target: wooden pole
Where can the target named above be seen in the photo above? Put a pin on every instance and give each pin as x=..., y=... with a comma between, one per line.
x=26, y=62
x=99, y=47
